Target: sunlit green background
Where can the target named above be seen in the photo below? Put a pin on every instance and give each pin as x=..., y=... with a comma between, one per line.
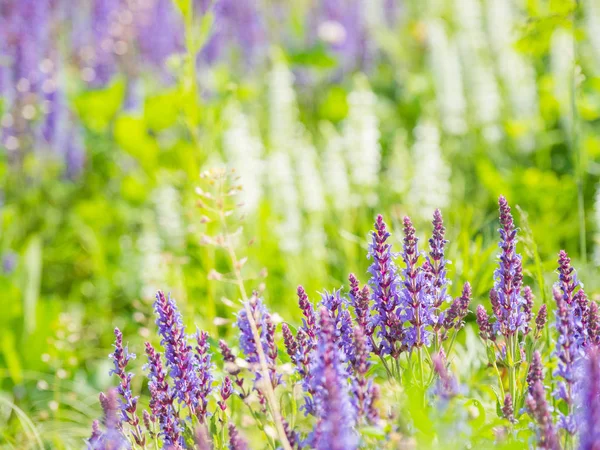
x=458, y=102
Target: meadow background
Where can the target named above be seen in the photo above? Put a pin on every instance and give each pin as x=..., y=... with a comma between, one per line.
x=330, y=111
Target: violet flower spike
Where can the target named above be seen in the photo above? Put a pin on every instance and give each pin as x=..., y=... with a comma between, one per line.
x=236, y=441
x=359, y=299
x=334, y=411
x=178, y=353
x=507, y=408
x=266, y=329
x=540, y=320
x=225, y=392
x=437, y=264
x=566, y=353
x=590, y=402
x=362, y=386
x=454, y=316
x=536, y=371
x=593, y=330
x=483, y=321
x=309, y=322
x=417, y=300
x=538, y=408
x=112, y=437
x=446, y=386
x=506, y=298
x=161, y=400
x=203, y=367
x=385, y=286
x=128, y=402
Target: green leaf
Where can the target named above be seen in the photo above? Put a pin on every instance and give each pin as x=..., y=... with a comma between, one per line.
x=131, y=134
x=161, y=110
x=97, y=108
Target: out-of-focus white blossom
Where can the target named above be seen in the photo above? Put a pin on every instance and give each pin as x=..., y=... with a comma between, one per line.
x=516, y=72
x=563, y=71
x=244, y=150
x=335, y=170
x=152, y=270
x=361, y=137
x=285, y=199
x=167, y=203
x=445, y=63
x=430, y=187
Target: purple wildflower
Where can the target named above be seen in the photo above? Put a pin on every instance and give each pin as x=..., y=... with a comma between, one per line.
x=446, y=386
x=540, y=320
x=507, y=408
x=536, y=371
x=436, y=267
x=416, y=298
x=236, y=441
x=359, y=299
x=112, y=438
x=385, y=285
x=362, y=386
x=334, y=411
x=566, y=354
x=590, y=401
x=506, y=298
x=483, y=321
x=178, y=352
x=161, y=399
x=231, y=367
x=593, y=330
x=202, y=438
x=527, y=309
x=203, y=367
x=128, y=402
x=309, y=322
x=454, y=316
x=225, y=392
x=538, y=407
x=266, y=329
x=291, y=346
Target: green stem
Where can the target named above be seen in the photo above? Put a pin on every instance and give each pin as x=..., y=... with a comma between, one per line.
x=421, y=370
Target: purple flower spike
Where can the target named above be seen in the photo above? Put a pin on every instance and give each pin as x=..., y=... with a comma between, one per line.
x=226, y=391
x=590, y=411
x=362, y=386
x=385, y=285
x=416, y=298
x=536, y=371
x=593, y=330
x=566, y=353
x=112, y=437
x=567, y=277
x=334, y=411
x=236, y=441
x=231, y=367
x=540, y=320
x=446, y=386
x=507, y=302
x=359, y=299
x=507, y=408
x=454, y=317
x=527, y=309
x=161, y=399
x=538, y=409
x=203, y=367
x=128, y=402
x=178, y=352
x=309, y=321
x=291, y=346
x=266, y=329
x=437, y=264
x=483, y=321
